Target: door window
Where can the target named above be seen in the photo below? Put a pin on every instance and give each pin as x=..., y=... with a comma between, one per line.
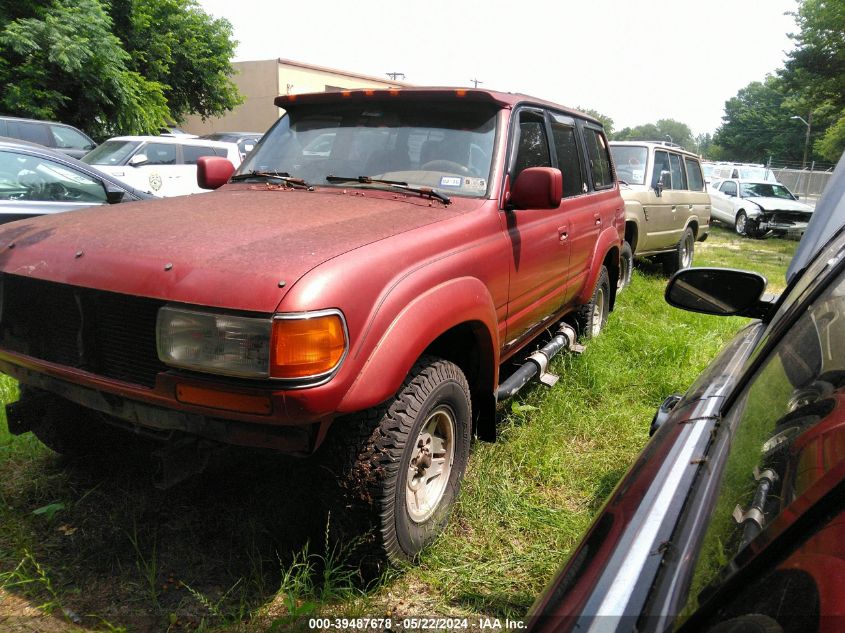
x=599, y=157
x=160, y=154
x=32, y=132
x=787, y=436
x=533, y=146
x=68, y=138
x=729, y=188
x=661, y=164
x=568, y=161
x=25, y=177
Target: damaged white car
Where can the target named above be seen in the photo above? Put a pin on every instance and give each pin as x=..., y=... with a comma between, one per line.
x=759, y=209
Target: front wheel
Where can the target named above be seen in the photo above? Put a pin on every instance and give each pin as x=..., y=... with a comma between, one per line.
x=741, y=225
x=682, y=256
x=404, y=476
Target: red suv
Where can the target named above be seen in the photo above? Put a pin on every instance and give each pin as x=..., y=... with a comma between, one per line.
x=366, y=287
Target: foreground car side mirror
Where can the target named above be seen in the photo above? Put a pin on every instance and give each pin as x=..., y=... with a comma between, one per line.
x=720, y=291
x=114, y=194
x=213, y=171
x=537, y=188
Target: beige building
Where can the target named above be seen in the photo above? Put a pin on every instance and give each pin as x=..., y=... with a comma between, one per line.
x=259, y=82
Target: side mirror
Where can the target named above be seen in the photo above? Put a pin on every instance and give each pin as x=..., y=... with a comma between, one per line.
x=114, y=194
x=213, y=171
x=138, y=159
x=661, y=183
x=537, y=188
x=720, y=291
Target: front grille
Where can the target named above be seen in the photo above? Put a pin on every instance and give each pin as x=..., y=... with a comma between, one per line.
x=789, y=217
x=106, y=333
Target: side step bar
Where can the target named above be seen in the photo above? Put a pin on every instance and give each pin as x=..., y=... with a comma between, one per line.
x=538, y=363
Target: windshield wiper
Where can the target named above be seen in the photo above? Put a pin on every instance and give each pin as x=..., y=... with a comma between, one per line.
x=282, y=176
x=396, y=184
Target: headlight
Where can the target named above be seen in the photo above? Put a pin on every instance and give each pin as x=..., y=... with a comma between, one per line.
x=291, y=346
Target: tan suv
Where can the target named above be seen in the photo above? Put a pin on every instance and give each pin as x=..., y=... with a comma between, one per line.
x=666, y=205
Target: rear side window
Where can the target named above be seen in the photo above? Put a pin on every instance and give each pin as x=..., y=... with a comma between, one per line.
x=696, y=180
x=679, y=179
x=568, y=162
x=599, y=157
x=32, y=132
x=192, y=152
x=533, y=148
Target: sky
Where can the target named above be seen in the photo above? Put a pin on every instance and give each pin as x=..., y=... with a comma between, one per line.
x=637, y=61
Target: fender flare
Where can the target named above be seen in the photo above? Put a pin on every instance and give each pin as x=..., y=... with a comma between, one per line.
x=608, y=240
x=456, y=302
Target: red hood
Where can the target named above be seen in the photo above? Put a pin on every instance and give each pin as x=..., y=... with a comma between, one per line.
x=230, y=248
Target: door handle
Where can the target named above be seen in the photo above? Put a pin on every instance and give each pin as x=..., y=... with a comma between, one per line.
x=562, y=234
x=674, y=208
x=598, y=221
x=690, y=207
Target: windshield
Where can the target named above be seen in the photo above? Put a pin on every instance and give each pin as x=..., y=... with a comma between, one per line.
x=630, y=163
x=444, y=144
x=764, y=190
x=757, y=173
x=111, y=153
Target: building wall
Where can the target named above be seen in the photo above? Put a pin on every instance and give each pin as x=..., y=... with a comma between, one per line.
x=259, y=82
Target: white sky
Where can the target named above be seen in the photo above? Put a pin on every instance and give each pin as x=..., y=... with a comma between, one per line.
x=636, y=61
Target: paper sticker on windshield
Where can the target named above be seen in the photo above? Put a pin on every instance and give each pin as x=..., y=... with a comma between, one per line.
x=450, y=181
x=476, y=184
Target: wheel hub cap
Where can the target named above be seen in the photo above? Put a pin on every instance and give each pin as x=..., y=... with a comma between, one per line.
x=430, y=465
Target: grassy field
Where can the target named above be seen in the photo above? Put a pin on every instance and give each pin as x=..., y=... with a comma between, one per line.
x=93, y=546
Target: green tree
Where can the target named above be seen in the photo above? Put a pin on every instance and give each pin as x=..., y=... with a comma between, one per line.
x=132, y=71
x=605, y=120
x=756, y=124
x=59, y=60
x=662, y=130
x=814, y=72
x=177, y=44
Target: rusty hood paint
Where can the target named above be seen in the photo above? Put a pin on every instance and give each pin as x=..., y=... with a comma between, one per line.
x=231, y=248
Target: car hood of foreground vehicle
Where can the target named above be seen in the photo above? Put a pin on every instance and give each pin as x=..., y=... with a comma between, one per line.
x=232, y=248
x=780, y=204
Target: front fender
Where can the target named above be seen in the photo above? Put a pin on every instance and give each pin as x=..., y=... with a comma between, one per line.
x=421, y=322
x=608, y=239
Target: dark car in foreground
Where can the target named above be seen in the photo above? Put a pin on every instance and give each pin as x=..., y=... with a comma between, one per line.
x=36, y=180
x=733, y=517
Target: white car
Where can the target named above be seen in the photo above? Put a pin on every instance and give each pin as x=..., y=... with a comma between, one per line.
x=759, y=209
x=161, y=165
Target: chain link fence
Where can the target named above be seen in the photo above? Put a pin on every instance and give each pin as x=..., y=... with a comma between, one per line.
x=807, y=184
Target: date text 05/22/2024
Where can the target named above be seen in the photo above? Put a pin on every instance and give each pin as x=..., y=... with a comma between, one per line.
x=415, y=624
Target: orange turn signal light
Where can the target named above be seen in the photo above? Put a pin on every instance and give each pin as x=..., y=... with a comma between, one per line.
x=227, y=400
x=306, y=347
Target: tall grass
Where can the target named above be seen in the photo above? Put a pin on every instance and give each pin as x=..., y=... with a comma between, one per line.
x=232, y=550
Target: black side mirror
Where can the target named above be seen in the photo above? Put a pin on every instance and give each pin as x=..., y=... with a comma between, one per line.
x=720, y=291
x=114, y=194
x=661, y=183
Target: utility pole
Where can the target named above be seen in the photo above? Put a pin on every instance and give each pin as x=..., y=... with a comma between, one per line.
x=393, y=76
x=475, y=82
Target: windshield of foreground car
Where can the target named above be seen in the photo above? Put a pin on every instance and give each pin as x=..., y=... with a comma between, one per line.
x=764, y=190
x=630, y=163
x=444, y=145
x=110, y=153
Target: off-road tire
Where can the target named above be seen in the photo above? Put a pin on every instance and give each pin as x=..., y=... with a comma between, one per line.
x=741, y=224
x=682, y=256
x=591, y=317
x=626, y=267
x=373, y=451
